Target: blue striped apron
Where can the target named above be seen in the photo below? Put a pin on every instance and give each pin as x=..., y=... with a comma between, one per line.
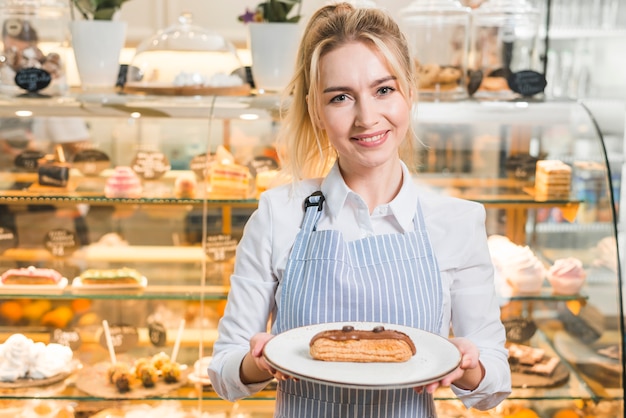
x=391, y=278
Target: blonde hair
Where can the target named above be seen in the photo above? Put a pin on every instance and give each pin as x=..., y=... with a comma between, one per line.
x=305, y=149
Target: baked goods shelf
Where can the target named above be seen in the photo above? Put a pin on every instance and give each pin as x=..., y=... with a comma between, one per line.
x=122, y=105
x=23, y=188
x=578, y=386
x=150, y=292
x=546, y=294
x=494, y=192
x=73, y=198
x=497, y=192
x=600, y=377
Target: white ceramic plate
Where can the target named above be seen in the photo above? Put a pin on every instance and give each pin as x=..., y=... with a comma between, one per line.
x=34, y=288
x=435, y=357
x=77, y=284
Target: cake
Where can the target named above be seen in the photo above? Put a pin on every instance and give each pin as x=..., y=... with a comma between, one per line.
x=201, y=369
x=567, y=276
x=605, y=253
x=265, y=180
x=123, y=183
x=31, y=275
x=531, y=360
x=123, y=275
x=170, y=372
x=553, y=179
x=21, y=358
x=361, y=346
x=518, y=266
x=523, y=271
x=148, y=375
x=185, y=187
x=229, y=181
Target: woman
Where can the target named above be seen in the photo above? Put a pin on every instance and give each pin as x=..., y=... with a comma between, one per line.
x=343, y=135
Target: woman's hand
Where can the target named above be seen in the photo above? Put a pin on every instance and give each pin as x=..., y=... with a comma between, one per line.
x=254, y=368
x=467, y=376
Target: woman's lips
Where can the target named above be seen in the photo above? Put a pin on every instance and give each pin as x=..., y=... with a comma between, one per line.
x=374, y=138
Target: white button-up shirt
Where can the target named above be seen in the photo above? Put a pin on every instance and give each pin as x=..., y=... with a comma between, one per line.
x=457, y=232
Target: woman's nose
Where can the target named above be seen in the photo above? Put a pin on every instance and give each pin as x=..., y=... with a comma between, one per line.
x=366, y=113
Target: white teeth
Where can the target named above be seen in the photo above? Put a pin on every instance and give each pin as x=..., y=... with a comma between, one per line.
x=372, y=138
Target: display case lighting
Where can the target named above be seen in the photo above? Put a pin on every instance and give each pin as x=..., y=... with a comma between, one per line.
x=249, y=116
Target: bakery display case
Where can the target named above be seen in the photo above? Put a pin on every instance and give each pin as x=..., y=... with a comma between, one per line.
x=140, y=221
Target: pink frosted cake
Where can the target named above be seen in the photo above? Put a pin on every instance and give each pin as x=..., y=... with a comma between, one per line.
x=31, y=275
x=567, y=276
x=123, y=183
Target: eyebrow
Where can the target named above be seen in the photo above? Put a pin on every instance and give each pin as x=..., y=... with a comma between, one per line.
x=373, y=84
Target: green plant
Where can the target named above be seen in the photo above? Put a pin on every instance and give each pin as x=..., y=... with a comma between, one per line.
x=98, y=9
x=273, y=11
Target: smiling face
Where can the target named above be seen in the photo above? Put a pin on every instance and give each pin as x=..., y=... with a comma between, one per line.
x=361, y=109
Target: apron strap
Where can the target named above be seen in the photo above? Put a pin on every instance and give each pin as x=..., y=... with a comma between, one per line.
x=312, y=210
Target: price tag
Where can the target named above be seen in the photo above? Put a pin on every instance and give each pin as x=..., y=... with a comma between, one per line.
x=260, y=164
x=220, y=247
x=70, y=338
x=527, y=82
x=28, y=160
x=150, y=164
x=7, y=239
x=61, y=242
x=91, y=162
x=123, y=338
x=200, y=165
x=157, y=334
x=32, y=79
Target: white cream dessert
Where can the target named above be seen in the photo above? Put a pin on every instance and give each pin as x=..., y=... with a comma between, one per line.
x=14, y=357
x=21, y=358
x=567, y=276
x=523, y=270
x=48, y=360
x=516, y=264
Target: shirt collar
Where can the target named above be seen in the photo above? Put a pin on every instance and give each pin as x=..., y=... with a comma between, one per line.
x=402, y=207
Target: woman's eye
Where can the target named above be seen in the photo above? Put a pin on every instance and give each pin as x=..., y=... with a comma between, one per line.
x=385, y=90
x=340, y=98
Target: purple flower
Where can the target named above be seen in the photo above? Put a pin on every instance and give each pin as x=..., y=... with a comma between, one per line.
x=248, y=16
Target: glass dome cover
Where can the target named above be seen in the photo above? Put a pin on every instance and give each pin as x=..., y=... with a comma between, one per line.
x=420, y=7
x=186, y=59
x=506, y=6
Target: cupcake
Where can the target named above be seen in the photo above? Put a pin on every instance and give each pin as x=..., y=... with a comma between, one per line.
x=567, y=276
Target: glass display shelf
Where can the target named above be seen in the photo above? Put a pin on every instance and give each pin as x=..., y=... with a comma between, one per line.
x=468, y=151
x=151, y=292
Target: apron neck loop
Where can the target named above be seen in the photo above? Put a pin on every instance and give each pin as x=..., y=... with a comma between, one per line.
x=310, y=214
x=316, y=199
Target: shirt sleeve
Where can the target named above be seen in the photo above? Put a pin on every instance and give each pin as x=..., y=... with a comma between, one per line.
x=475, y=312
x=476, y=316
x=250, y=304
x=61, y=130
